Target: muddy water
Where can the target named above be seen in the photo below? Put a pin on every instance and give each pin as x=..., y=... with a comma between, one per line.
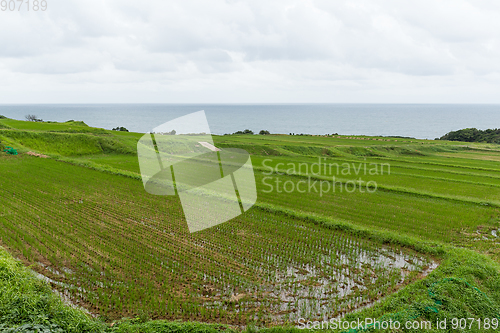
x=336, y=283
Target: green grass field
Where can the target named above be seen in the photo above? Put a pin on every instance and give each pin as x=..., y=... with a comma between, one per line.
x=382, y=212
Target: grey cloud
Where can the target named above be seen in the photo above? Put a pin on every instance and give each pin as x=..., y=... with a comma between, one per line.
x=66, y=62
x=256, y=43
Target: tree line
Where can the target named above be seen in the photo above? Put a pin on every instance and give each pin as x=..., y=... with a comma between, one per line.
x=473, y=135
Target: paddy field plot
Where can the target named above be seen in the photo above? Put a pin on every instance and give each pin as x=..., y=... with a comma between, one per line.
x=118, y=251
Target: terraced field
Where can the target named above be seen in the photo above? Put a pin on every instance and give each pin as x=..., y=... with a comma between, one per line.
x=427, y=190
x=340, y=223
x=116, y=250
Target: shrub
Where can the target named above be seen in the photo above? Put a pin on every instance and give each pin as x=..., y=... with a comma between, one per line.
x=247, y=131
x=121, y=129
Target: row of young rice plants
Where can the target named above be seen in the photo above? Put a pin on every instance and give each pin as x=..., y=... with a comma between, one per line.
x=473, y=158
x=416, y=173
x=385, y=176
x=320, y=141
x=397, y=161
x=118, y=161
x=478, y=155
x=415, y=154
x=89, y=233
x=426, y=217
x=444, y=163
x=454, y=182
x=398, y=164
x=118, y=251
x=315, y=273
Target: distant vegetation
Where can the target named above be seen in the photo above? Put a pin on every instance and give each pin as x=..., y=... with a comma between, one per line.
x=247, y=131
x=121, y=129
x=32, y=117
x=264, y=132
x=399, y=137
x=473, y=135
x=172, y=132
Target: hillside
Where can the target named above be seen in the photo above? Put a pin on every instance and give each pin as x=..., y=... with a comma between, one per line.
x=408, y=229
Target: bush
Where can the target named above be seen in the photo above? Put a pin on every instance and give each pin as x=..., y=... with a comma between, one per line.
x=247, y=131
x=264, y=132
x=121, y=129
x=172, y=132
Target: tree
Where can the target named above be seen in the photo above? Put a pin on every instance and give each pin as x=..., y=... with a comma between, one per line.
x=264, y=132
x=32, y=117
x=473, y=135
x=121, y=129
x=247, y=131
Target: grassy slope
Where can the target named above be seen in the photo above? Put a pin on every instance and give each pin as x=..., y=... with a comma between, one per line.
x=417, y=158
x=25, y=299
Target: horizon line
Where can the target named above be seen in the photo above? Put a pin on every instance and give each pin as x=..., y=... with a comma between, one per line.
x=251, y=103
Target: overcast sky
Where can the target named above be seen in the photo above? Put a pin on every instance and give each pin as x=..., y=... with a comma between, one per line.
x=255, y=51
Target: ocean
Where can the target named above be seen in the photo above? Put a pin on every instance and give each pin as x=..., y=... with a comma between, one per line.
x=421, y=121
